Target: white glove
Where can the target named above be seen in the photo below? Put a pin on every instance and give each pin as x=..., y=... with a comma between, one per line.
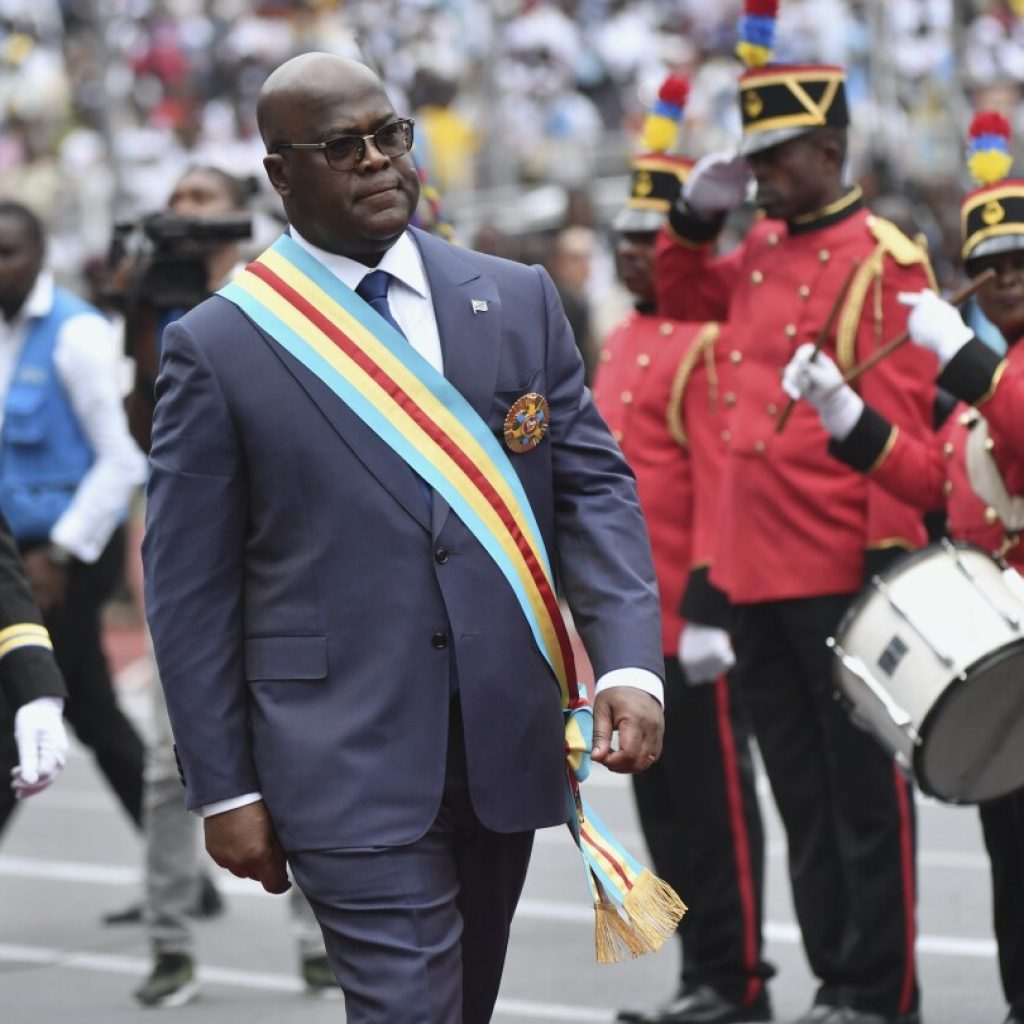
x=705, y=653
x=815, y=382
x=935, y=325
x=42, y=745
x=718, y=182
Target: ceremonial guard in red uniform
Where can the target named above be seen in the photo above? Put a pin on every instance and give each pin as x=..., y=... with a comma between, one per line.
x=973, y=467
x=657, y=386
x=798, y=531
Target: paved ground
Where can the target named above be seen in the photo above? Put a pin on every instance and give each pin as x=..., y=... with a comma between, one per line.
x=70, y=856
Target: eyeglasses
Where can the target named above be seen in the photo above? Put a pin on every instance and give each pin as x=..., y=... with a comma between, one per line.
x=346, y=152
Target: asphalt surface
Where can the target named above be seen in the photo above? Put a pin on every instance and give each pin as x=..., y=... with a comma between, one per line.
x=70, y=856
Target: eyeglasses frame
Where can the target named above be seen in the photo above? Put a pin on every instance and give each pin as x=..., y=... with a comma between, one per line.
x=353, y=135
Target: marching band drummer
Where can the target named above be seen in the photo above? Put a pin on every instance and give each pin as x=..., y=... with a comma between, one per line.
x=973, y=466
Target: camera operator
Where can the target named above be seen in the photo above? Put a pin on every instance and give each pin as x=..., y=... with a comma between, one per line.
x=194, y=250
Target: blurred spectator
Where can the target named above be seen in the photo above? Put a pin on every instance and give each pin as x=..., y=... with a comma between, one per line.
x=570, y=263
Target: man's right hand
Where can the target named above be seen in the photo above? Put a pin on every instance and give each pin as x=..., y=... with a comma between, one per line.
x=244, y=842
x=718, y=183
x=705, y=653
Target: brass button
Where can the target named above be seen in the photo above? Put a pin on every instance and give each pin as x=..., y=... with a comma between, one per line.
x=948, y=449
x=617, y=436
x=991, y=515
x=666, y=329
x=726, y=436
x=790, y=330
x=772, y=408
x=736, y=357
x=730, y=398
x=824, y=255
x=803, y=291
x=643, y=360
x=606, y=356
x=773, y=239
x=989, y=444
x=947, y=488
x=759, y=446
x=627, y=397
x=756, y=277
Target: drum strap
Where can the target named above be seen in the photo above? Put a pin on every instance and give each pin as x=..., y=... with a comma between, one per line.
x=987, y=480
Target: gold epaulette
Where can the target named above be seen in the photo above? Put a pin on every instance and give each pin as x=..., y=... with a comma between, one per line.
x=906, y=252
x=703, y=344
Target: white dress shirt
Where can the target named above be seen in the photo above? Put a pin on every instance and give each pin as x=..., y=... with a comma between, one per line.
x=88, y=364
x=413, y=309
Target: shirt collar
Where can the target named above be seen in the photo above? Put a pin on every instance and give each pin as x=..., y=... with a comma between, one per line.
x=40, y=299
x=401, y=261
x=849, y=203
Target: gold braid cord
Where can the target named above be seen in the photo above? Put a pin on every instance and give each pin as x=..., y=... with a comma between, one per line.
x=703, y=344
x=906, y=252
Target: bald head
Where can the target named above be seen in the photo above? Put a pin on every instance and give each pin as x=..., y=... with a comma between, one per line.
x=308, y=84
x=316, y=100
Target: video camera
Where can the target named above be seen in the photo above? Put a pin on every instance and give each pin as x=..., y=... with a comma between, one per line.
x=168, y=253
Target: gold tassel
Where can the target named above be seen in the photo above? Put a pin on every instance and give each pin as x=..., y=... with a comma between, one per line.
x=614, y=939
x=654, y=909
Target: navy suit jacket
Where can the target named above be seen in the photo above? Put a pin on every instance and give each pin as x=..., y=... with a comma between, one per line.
x=297, y=589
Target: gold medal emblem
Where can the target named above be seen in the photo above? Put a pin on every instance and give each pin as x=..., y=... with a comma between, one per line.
x=752, y=104
x=993, y=212
x=644, y=185
x=527, y=422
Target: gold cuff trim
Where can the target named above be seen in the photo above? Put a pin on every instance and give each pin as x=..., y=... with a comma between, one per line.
x=24, y=634
x=890, y=542
x=996, y=378
x=890, y=443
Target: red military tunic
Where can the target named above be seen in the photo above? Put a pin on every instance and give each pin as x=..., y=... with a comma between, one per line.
x=932, y=473
x=652, y=389
x=793, y=522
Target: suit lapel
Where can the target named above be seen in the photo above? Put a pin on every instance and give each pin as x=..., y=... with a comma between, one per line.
x=391, y=471
x=470, y=341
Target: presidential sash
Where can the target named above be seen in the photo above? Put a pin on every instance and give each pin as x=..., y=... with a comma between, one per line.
x=414, y=409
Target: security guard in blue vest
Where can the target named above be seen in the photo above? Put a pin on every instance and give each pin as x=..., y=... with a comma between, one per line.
x=68, y=469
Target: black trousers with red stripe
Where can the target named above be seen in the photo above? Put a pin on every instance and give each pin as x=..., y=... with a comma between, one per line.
x=699, y=814
x=847, y=810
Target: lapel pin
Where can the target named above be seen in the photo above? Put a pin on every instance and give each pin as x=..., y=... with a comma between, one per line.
x=479, y=306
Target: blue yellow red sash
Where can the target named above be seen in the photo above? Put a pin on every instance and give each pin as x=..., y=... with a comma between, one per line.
x=374, y=371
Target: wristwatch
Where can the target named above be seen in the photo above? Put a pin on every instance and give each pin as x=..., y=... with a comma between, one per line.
x=58, y=555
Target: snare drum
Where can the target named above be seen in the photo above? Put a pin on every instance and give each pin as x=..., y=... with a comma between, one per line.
x=931, y=661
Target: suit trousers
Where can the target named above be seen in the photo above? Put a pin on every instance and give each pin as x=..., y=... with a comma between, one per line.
x=417, y=934
x=174, y=851
x=846, y=808
x=92, y=709
x=1002, y=823
x=700, y=818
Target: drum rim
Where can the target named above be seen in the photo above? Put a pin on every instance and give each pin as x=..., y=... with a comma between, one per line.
x=907, y=559
x=928, y=722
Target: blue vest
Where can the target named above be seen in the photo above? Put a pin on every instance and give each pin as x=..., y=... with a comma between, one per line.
x=43, y=452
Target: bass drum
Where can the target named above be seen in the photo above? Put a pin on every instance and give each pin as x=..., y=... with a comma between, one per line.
x=931, y=661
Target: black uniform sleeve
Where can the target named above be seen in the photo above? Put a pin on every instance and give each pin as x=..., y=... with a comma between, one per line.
x=27, y=666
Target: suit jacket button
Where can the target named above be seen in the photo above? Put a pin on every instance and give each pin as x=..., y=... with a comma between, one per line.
x=439, y=641
x=441, y=556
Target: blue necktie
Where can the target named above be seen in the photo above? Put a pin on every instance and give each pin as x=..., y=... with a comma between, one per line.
x=374, y=289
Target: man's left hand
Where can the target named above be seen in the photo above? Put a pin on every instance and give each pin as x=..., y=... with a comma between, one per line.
x=640, y=722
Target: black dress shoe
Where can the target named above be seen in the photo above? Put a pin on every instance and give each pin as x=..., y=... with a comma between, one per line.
x=704, y=1005
x=209, y=904
x=820, y=1014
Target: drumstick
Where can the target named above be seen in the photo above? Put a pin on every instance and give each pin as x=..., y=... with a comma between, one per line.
x=960, y=295
x=823, y=334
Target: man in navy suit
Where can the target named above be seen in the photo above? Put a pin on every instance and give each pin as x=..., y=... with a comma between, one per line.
x=353, y=686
